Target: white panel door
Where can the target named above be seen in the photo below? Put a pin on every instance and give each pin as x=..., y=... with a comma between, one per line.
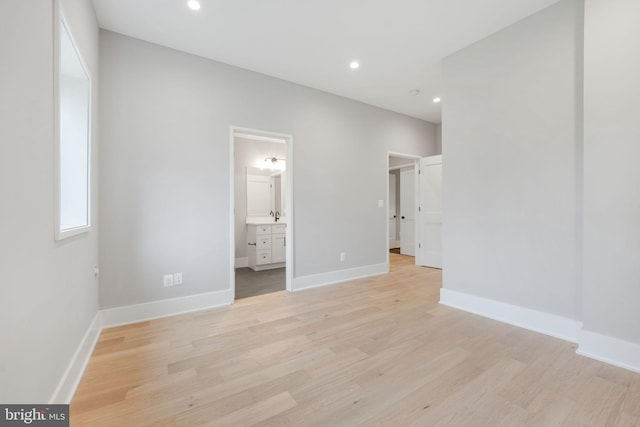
x=430, y=214
x=258, y=195
x=392, y=210
x=407, y=212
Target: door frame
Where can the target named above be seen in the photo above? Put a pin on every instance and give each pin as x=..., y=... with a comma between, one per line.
x=396, y=183
x=289, y=269
x=412, y=160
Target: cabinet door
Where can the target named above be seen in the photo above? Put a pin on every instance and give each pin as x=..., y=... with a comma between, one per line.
x=277, y=248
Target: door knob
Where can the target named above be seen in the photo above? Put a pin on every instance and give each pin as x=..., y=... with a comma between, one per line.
x=402, y=217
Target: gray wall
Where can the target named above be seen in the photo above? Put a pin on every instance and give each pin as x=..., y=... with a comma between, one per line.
x=611, y=171
x=49, y=294
x=247, y=151
x=165, y=169
x=511, y=214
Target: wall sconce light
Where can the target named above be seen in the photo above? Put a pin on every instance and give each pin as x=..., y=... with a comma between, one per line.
x=273, y=160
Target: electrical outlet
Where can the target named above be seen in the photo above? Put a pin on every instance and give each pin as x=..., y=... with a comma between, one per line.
x=381, y=203
x=168, y=280
x=177, y=279
x=343, y=256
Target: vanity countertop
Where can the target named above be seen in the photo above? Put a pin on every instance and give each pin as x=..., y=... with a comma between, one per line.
x=267, y=220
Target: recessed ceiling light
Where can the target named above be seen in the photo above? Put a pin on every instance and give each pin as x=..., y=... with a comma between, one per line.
x=436, y=100
x=354, y=65
x=193, y=4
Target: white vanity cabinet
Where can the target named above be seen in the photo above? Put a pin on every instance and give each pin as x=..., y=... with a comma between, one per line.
x=266, y=246
x=278, y=243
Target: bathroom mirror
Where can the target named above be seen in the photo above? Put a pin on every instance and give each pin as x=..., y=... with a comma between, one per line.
x=265, y=192
x=278, y=192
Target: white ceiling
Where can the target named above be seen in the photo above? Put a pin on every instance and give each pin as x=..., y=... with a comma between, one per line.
x=399, y=43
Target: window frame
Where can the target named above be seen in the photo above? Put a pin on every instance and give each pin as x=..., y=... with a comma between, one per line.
x=60, y=24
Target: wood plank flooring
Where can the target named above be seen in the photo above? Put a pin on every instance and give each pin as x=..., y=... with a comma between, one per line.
x=372, y=352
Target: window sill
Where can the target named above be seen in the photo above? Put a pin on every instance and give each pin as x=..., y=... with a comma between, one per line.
x=64, y=234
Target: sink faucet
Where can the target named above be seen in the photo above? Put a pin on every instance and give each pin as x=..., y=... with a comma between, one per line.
x=277, y=216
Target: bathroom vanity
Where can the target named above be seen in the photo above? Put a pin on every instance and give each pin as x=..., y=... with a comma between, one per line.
x=266, y=243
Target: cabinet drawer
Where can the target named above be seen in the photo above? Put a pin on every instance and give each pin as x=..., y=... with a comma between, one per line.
x=263, y=242
x=278, y=229
x=263, y=229
x=264, y=257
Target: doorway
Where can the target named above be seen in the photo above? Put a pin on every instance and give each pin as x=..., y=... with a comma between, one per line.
x=261, y=212
x=414, y=226
x=402, y=203
x=407, y=211
x=394, y=210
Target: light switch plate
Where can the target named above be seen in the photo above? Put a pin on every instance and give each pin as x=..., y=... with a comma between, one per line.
x=381, y=203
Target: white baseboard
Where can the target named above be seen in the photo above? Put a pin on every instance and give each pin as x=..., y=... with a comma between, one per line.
x=242, y=262
x=269, y=266
x=72, y=375
x=606, y=349
x=324, y=279
x=538, y=321
x=153, y=310
x=614, y=351
x=124, y=315
x=117, y=316
x=164, y=308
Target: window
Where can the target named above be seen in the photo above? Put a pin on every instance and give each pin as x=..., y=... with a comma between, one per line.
x=73, y=98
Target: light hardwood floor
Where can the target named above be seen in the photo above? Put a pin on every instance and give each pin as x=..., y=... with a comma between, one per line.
x=372, y=352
